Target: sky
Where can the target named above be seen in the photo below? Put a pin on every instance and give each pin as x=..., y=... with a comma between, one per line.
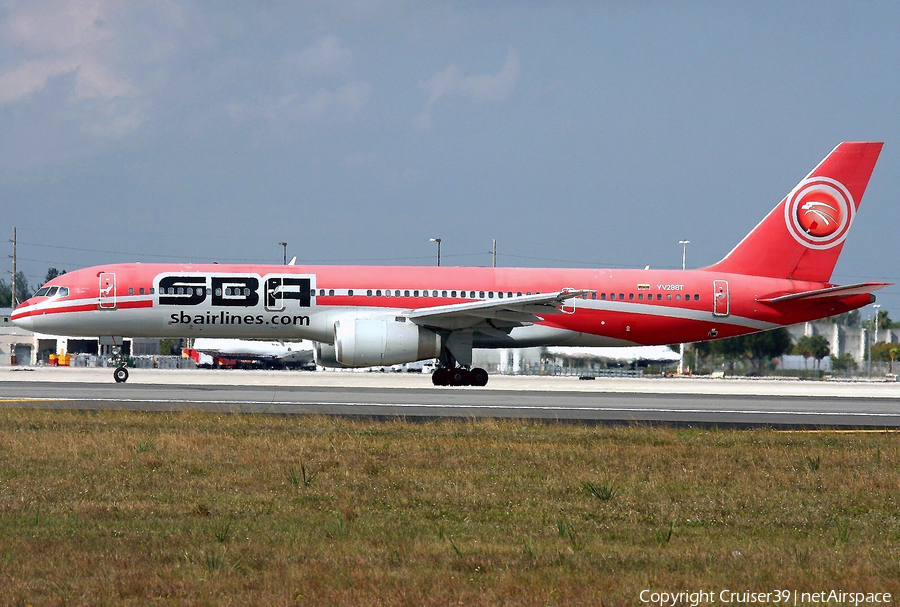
x=576, y=134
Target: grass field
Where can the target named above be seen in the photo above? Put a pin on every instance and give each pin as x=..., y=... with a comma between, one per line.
x=197, y=509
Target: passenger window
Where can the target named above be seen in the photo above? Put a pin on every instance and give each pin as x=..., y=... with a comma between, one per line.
x=369, y=293
x=594, y=295
x=350, y=293
x=141, y=291
x=621, y=296
x=397, y=293
x=481, y=294
x=678, y=297
x=640, y=297
x=151, y=290
x=330, y=293
x=415, y=293
x=322, y=292
x=387, y=292
x=405, y=293
x=434, y=294
x=696, y=297
x=631, y=297
x=500, y=294
x=612, y=296
x=603, y=297
x=659, y=297
x=528, y=293
x=247, y=292
x=519, y=294
x=490, y=295
x=452, y=293
x=378, y=293
x=668, y=297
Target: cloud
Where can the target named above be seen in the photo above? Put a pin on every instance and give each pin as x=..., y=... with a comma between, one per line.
x=286, y=112
x=31, y=76
x=47, y=40
x=308, y=87
x=486, y=87
x=492, y=88
x=326, y=57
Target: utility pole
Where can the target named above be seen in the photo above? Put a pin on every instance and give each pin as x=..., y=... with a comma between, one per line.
x=12, y=300
x=284, y=246
x=495, y=251
x=684, y=244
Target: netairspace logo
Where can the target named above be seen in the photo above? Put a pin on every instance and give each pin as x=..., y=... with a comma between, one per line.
x=777, y=597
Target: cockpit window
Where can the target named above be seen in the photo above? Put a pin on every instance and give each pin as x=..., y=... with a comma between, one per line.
x=64, y=291
x=52, y=291
x=42, y=292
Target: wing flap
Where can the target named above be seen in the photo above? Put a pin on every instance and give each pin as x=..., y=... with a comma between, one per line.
x=523, y=309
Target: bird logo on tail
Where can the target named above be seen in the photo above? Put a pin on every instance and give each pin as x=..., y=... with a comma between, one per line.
x=818, y=212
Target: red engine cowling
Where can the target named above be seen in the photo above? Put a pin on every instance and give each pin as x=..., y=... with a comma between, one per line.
x=369, y=343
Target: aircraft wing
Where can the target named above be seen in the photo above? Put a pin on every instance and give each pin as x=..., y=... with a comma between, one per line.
x=827, y=293
x=519, y=310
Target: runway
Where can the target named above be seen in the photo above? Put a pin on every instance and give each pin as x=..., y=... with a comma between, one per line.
x=780, y=404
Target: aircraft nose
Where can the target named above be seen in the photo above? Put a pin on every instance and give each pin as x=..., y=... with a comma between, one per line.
x=22, y=321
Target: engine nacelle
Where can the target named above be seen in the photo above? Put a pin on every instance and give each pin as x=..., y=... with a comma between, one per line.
x=369, y=343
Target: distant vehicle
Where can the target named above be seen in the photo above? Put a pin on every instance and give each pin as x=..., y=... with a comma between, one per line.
x=363, y=316
x=246, y=353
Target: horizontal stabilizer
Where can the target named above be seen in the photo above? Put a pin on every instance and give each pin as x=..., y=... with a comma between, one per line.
x=828, y=293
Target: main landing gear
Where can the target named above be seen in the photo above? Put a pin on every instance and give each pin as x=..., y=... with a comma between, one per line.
x=459, y=377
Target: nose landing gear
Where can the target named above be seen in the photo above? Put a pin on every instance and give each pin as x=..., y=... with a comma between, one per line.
x=120, y=375
x=459, y=376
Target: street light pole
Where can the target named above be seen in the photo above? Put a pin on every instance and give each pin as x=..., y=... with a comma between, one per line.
x=684, y=244
x=438, y=241
x=284, y=246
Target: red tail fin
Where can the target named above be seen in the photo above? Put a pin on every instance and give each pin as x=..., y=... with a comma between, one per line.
x=803, y=236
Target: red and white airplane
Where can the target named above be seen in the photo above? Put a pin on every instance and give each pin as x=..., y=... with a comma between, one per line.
x=779, y=274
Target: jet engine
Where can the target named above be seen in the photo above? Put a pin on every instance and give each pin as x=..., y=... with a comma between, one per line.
x=370, y=342
x=326, y=356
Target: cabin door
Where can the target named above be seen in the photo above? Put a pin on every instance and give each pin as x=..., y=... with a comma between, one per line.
x=721, y=300
x=107, y=291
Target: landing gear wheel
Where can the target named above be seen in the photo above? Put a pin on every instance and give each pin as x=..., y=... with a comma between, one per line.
x=120, y=375
x=459, y=377
x=478, y=377
x=441, y=377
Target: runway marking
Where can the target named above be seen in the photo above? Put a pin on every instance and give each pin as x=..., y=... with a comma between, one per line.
x=453, y=406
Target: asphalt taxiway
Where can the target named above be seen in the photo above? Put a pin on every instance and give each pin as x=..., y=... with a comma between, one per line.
x=682, y=401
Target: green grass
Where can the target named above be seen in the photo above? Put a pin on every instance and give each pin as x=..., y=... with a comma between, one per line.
x=247, y=509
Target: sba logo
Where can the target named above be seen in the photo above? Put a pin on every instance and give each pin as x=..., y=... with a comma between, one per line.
x=233, y=290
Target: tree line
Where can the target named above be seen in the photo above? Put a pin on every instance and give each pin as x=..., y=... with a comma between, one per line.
x=23, y=290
